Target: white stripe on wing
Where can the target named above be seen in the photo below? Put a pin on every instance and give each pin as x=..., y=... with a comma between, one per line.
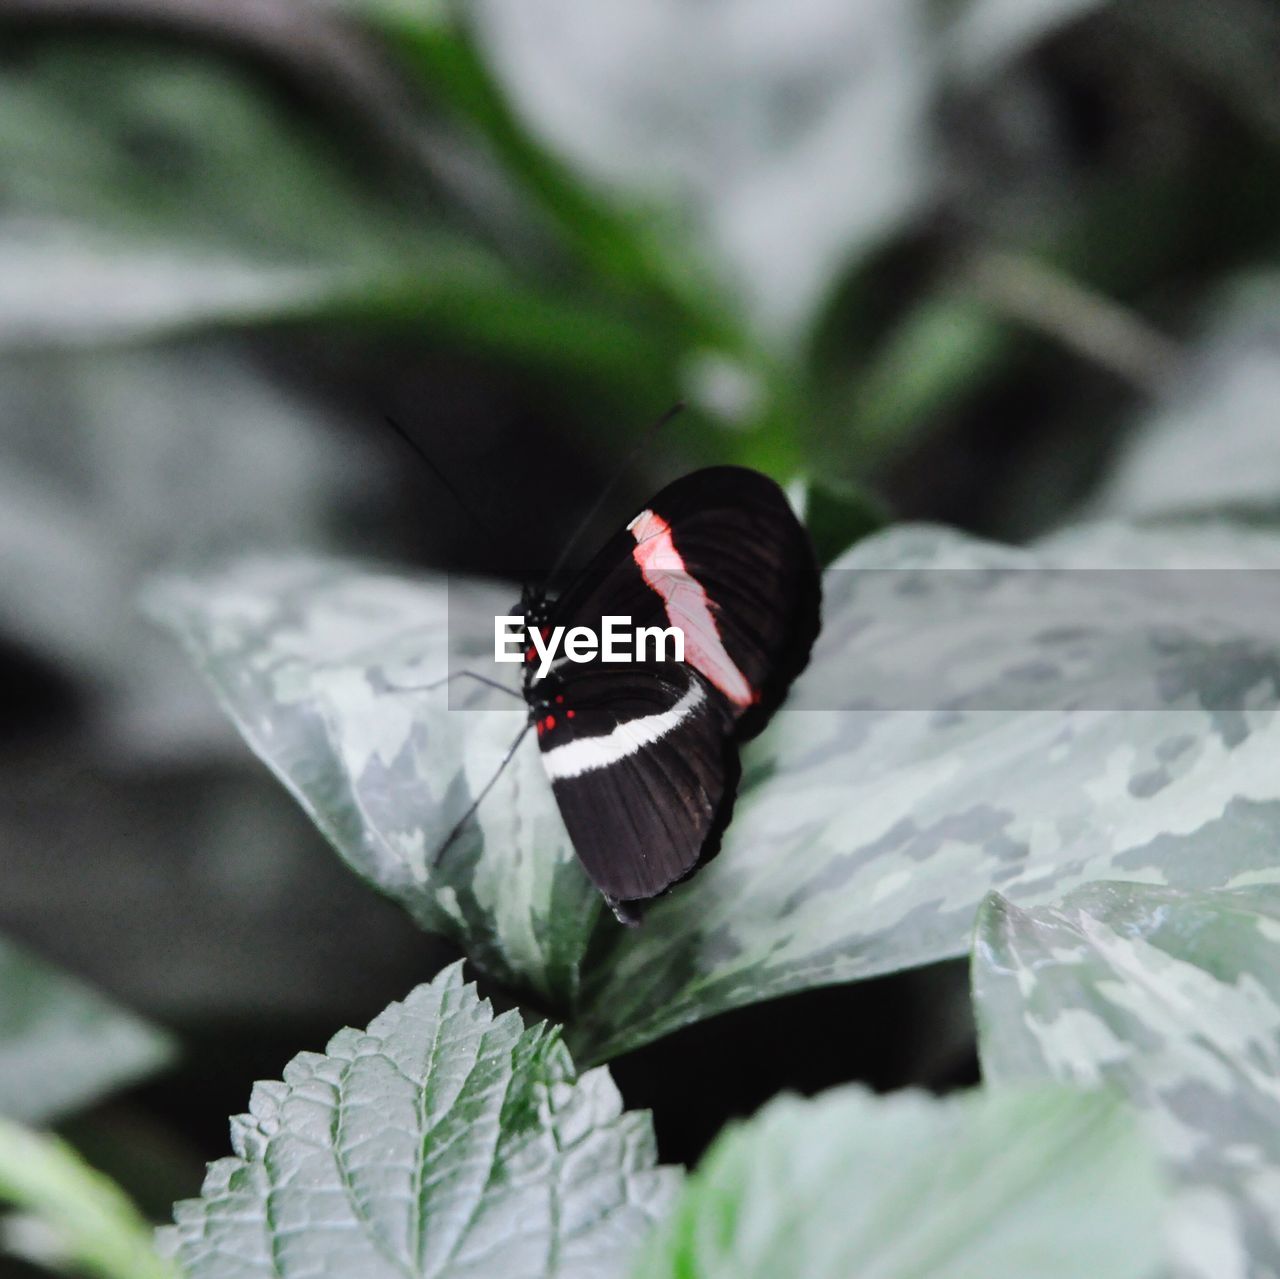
x=588, y=753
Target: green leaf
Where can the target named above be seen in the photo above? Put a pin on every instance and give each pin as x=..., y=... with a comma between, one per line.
x=863, y=841
x=637, y=249
x=799, y=144
x=63, y=1045
x=616, y=242
x=151, y=189
x=941, y=350
x=256, y=212
x=441, y=1141
x=308, y=657
x=77, y=1217
x=1174, y=998
x=837, y=515
x=1047, y=1184
x=1208, y=447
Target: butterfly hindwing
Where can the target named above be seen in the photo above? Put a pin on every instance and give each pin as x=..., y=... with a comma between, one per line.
x=644, y=770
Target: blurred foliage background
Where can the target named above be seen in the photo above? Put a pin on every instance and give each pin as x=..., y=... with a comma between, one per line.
x=995, y=263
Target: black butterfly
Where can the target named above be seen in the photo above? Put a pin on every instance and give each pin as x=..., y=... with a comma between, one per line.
x=643, y=757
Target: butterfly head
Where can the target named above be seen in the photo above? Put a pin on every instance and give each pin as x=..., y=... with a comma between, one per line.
x=534, y=606
x=536, y=609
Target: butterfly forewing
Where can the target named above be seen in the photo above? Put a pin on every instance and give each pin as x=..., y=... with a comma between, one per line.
x=720, y=554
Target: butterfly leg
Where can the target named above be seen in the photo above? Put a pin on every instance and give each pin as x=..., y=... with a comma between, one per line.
x=448, y=679
x=629, y=913
x=475, y=804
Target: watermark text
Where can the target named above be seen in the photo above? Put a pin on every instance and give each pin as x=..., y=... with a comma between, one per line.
x=618, y=641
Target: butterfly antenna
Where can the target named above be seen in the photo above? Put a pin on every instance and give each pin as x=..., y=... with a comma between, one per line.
x=645, y=440
x=442, y=479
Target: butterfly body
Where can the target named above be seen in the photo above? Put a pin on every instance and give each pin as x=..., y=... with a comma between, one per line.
x=643, y=755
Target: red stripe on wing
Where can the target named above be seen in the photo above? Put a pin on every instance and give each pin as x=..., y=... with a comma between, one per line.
x=687, y=606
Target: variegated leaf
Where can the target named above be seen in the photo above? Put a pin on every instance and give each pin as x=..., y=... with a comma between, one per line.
x=311, y=659
x=864, y=841
x=1010, y=720
x=1050, y=1184
x=441, y=1141
x=1174, y=997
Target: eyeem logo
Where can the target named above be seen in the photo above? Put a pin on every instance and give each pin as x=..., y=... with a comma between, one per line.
x=618, y=641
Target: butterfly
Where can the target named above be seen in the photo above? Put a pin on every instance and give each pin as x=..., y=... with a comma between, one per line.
x=643, y=756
